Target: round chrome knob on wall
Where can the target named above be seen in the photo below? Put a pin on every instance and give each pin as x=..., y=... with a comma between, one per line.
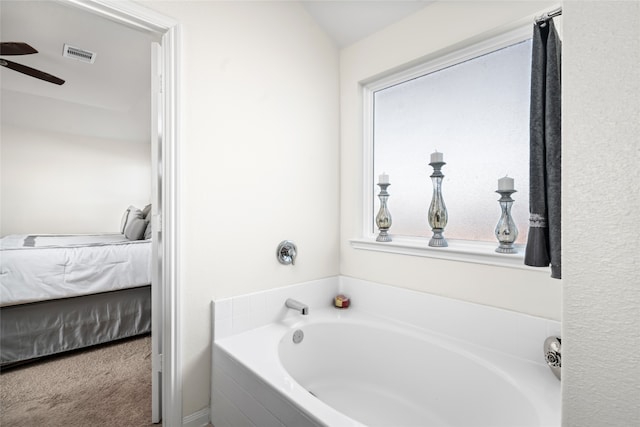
x=287, y=252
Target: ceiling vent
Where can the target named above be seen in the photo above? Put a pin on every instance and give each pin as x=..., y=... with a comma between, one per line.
x=79, y=54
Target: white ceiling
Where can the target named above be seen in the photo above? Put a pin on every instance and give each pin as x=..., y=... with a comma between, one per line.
x=110, y=98
x=349, y=21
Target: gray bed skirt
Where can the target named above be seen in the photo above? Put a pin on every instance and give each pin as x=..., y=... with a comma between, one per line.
x=45, y=328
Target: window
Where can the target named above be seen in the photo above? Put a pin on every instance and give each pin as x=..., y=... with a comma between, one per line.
x=473, y=106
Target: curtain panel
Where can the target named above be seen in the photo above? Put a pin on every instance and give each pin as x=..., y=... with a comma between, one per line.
x=543, y=241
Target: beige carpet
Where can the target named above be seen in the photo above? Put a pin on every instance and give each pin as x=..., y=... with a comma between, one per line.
x=108, y=385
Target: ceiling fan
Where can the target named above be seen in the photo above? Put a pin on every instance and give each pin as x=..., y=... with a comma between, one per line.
x=16, y=48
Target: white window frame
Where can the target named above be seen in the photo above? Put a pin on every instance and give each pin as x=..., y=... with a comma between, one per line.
x=458, y=250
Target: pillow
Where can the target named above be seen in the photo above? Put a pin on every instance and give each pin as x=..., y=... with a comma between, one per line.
x=147, y=231
x=146, y=212
x=136, y=226
x=125, y=218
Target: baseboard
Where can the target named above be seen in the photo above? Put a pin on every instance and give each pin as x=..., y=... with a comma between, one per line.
x=197, y=419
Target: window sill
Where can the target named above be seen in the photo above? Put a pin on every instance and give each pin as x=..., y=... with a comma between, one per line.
x=458, y=250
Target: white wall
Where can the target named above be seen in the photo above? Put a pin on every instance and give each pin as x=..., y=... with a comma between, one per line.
x=62, y=183
x=259, y=145
x=601, y=187
x=438, y=26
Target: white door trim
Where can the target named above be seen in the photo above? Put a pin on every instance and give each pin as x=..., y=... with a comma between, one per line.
x=137, y=16
x=157, y=238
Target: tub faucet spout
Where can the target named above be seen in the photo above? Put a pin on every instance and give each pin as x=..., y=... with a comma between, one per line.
x=297, y=305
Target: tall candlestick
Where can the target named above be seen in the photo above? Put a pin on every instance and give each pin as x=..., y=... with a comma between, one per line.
x=506, y=230
x=437, y=210
x=437, y=157
x=383, y=219
x=505, y=184
x=383, y=178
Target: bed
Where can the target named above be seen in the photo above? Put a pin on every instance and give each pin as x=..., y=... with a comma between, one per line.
x=66, y=292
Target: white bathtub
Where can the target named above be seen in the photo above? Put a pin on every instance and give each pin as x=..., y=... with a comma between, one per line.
x=354, y=368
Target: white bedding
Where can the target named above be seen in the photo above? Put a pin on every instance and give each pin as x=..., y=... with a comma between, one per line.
x=46, y=267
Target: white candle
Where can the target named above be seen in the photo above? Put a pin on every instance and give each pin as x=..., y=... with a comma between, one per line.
x=505, y=184
x=383, y=178
x=436, y=157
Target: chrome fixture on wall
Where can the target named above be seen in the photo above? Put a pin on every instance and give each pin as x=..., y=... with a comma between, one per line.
x=287, y=252
x=553, y=354
x=297, y=305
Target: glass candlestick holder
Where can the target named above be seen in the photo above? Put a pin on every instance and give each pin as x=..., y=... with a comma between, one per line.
x=506, y=230
x=437, y=210
x=383, y=219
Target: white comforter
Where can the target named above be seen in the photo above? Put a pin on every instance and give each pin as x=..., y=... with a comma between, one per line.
x=45, y=267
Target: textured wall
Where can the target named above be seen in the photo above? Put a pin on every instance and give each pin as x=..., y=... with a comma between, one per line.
x=601, y=205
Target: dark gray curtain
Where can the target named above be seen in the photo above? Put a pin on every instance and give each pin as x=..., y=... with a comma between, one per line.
x=543, y=242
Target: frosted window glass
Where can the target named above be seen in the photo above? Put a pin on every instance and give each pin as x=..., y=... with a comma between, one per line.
x=477, y=114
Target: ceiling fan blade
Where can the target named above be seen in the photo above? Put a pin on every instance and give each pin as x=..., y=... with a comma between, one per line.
x=16, y=48
x=31, y=72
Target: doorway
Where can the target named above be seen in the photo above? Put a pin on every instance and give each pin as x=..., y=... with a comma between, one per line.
x=166, y=364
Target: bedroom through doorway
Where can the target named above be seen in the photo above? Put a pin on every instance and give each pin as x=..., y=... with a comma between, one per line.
x=77, y=154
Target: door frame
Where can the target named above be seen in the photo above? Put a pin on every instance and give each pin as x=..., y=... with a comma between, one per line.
x=137, y=16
